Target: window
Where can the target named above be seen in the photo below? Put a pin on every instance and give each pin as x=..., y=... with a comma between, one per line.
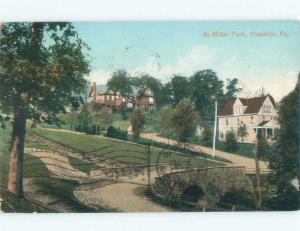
x=267, y=109
x=151, y=100
x=226, y=121
x=251, y=119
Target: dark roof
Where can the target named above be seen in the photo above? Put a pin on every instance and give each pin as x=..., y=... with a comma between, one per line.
x=253, y=105
x=227, y=108
x=263, y=123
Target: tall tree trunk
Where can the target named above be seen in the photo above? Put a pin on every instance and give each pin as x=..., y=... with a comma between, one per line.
x=16, y=158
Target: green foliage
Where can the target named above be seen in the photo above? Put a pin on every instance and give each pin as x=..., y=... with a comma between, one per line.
x=242, y=131
x=4, y=154
x=120, y=81
x=230, y=142
x=206, y=88
x=284, y=159
x=207, y=137
x=180, y=88
x=242, y=199
x=121, y=151
x=84, y=120
x=165, y=95
x=116, y=133
x=166, y=119
x=263, y=148
x=232, y=88
x=152, y=121
x=184, y=120
x=137, y=122
x=42, y=66
x=63, y=190
x=79, y=164
x=13, y=203
x=124, y=113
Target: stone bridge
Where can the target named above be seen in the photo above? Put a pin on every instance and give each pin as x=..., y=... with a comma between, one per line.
x=203, y=186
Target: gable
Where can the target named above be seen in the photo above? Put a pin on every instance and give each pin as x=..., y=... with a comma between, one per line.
x=253, y=105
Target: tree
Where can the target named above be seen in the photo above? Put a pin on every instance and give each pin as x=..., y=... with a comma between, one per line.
x=205, y=89
x=84, y=120
x=120, y=81
x=42, y=67
x=184, y=120
x=166, y=118
x=230, y=142
x=242, y=131
x=284, y=159
x=232, y=88
x=207, y=136
x=180, y=88
x=166, y=95
x=137, y=122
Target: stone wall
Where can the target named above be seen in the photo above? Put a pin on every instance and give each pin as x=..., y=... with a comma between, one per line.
x=214, y=182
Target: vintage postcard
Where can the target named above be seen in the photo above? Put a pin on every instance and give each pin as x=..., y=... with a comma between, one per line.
x=149, y=116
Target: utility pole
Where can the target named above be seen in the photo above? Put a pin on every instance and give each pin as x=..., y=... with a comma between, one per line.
x=215, y=129
x=148, y=166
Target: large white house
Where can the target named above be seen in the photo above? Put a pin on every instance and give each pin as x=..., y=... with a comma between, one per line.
x=257, y=114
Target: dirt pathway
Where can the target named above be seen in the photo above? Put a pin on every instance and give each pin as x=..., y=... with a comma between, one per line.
x=238, y=160
x=123, y=197
x=59, y=165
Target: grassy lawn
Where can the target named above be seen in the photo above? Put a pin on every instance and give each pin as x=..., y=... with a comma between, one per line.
x=122, y=124
x=63, y=190
x=244, y=149
x=80, y=165
x=4, y=155
x=120, y=151
x=104, y=120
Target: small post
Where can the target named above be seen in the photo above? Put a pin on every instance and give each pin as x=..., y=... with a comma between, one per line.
x=215, y=129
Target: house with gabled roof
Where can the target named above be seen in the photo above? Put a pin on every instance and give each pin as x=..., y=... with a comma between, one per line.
x=256, y=115
x=142, y=98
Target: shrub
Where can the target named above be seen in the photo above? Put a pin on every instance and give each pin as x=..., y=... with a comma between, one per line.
x=137, y=122
x=207, y=136
x=84, y=120
x=240, y=198
x=230, y=142
x=116, y=133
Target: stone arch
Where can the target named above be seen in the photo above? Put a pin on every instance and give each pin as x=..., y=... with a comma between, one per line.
x=213, y=181
x=192, y=193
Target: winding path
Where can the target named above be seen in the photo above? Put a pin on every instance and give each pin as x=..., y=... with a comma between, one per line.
x=236, y=159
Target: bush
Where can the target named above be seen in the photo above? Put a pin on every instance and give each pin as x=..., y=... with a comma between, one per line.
x=240, y=198
x=137, y=121
x=230, y=142
x=84, y=120
x=207, y=137
x=116, y=133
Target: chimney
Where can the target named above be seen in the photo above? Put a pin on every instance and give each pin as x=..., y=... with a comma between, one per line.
x=94, y=91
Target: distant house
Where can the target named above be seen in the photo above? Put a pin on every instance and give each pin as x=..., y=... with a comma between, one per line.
x=257, y=115
x=139, y=98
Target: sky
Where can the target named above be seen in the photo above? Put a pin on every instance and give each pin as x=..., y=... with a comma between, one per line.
x=258, y=53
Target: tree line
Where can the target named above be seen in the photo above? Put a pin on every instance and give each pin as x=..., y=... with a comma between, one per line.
x=203, y=88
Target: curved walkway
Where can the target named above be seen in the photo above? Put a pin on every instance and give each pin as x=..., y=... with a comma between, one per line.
x=236, y=159
x=123, y=197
